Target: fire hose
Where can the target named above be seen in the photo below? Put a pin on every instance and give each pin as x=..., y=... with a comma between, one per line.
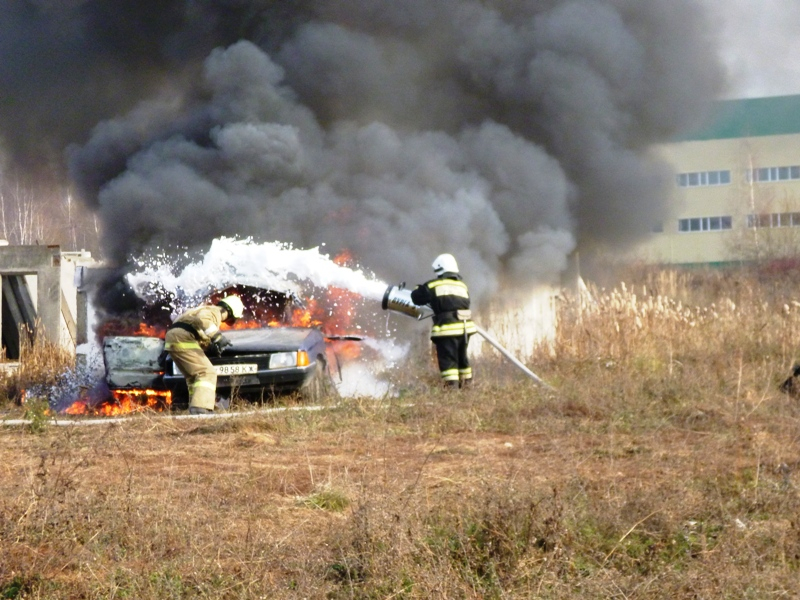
x=398, y=299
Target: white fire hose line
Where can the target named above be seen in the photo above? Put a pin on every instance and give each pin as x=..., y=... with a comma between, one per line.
x=79, y=422
x=514, y=360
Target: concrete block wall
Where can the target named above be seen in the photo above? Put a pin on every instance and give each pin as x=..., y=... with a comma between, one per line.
x=49, y=276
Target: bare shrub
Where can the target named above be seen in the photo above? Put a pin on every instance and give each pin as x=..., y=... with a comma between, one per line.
x=41, y=364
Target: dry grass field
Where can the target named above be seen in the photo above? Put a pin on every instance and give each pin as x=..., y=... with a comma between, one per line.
x=666, y=465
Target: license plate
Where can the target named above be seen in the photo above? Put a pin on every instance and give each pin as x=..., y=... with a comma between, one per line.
x=238, y=369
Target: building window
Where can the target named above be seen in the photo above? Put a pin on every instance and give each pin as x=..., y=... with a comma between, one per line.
x=770, y=220
x=767, y=174
x=705, y=224
x=704, y=178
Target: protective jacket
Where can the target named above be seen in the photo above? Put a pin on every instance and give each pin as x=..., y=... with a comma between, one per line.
x=448, y=296
x=205, y=321
x=187, y=339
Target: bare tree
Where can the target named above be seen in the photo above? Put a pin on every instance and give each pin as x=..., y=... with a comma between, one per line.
x=23, y=221
x=45, y=215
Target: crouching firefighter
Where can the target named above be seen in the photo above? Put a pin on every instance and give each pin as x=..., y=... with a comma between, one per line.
x=448, y=296
x=192, y=335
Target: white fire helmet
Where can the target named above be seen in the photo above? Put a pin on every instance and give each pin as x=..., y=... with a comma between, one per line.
x=445, y=263
x=233, y=304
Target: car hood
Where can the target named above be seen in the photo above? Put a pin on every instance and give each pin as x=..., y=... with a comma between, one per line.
x=272, y=339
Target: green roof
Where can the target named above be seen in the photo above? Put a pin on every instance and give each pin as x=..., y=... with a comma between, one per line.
x=751, y=117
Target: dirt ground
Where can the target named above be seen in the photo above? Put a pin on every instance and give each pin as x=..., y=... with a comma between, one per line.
x=264, y=503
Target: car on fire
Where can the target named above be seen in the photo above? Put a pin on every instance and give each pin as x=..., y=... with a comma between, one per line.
x=265, y=361
x=268, y=355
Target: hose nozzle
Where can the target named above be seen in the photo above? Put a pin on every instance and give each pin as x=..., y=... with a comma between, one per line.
x=398, y=299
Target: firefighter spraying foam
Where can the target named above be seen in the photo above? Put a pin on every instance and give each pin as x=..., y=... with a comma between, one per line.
x=446, y=300
x=192, y=335
x=448, y=297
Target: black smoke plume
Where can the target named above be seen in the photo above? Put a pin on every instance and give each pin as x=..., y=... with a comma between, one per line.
x=508, y=132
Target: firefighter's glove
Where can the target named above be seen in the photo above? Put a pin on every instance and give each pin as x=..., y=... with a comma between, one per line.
x=218, y=344
x=162, y=359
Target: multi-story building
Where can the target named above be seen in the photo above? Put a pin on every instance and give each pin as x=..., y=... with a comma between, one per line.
x=737, y=187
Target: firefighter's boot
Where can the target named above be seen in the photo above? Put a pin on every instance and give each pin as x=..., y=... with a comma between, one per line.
x=196, y=410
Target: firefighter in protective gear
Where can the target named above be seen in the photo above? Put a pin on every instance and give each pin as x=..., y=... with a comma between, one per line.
x=448, y=296
x=192, y=335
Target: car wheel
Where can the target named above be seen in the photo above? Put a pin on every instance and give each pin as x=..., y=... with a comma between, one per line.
x=319, y=385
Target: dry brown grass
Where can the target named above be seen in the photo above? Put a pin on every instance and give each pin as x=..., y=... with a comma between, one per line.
x=665, y=466
x=40, y=364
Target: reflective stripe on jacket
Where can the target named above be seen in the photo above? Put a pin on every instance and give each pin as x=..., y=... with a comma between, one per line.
x=457, y=328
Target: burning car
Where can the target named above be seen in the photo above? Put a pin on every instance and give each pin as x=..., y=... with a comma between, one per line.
x=263, y=361
x=275, y=349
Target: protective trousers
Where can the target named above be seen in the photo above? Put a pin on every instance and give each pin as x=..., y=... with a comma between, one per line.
x=188, y=356
x=451, y=353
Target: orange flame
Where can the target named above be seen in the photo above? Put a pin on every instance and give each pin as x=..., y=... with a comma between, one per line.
x=149, y=330
x=124, y=402
x=342, y=310
x=344, y=258
x=242, y=324
x=306, y=317
x=123, y=326
x=346, y=349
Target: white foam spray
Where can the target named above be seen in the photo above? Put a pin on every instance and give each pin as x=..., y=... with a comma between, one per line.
x=272, y=265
